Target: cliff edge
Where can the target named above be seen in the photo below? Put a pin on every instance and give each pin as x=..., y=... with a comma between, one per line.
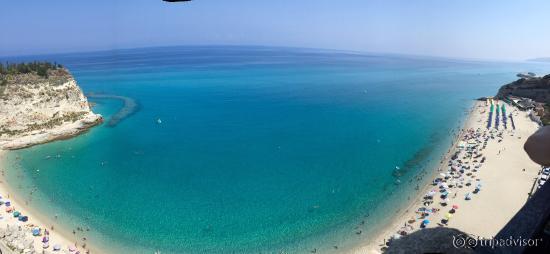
x=41, y=106
x=535, y=89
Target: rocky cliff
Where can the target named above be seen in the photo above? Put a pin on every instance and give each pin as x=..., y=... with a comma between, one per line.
x=535, y=88
x=35, y=109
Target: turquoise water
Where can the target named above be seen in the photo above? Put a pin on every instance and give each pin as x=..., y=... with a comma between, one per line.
x=259, y=149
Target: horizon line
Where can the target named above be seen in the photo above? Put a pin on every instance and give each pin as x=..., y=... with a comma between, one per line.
x=348, y=51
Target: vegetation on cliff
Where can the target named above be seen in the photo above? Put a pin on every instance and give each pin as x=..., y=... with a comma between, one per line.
x=40, y=102
x=535, y=88
x=40, y=68
x=25, y=73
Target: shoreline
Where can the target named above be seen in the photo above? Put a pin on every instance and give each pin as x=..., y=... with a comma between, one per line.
x=373, y=244
x=472, y=121
x=58, y=235
x=405, y=211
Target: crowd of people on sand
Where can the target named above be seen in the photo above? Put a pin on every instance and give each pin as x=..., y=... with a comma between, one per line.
x=21, y=236
x=458, y=172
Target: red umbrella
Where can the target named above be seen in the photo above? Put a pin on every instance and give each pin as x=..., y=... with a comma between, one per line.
x=455, y=207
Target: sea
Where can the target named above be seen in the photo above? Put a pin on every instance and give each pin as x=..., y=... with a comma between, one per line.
x=245, y=149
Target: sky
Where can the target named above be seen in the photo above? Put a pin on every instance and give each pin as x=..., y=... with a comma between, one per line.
x=488, y=29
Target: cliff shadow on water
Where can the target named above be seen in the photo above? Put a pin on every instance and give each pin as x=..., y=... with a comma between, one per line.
x=129, y=107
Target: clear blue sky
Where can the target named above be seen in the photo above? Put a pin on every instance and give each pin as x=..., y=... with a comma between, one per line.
x=492, y=29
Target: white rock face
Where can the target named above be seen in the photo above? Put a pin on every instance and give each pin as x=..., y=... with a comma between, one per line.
x=40, y=111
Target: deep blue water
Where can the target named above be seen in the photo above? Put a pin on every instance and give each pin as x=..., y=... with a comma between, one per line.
x=260, y=149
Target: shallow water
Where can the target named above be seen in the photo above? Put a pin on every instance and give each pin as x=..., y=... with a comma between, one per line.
x=259, y=149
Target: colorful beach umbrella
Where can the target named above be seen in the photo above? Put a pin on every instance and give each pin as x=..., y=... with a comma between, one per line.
x=426, y=222
x=448, y=216
x=455, y=207
x=35, y=231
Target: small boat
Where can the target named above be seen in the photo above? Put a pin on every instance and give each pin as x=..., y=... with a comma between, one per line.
x=159, y=121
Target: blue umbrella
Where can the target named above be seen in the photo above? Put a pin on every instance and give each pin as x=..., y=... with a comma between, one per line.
x=35, y=231
x=426, y=222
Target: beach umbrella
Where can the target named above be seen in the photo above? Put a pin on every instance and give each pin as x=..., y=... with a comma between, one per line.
x=448, y=216
x=56, y=247
x=431, y=193
x=72, y=248
x=16, y=214
x=455, y=207
x=396, y=236
x=426, y=222
x=45, y=239
x=45, y=245
x=36, y=231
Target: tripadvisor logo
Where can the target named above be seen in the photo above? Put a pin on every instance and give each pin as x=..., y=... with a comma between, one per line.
x=466, y=241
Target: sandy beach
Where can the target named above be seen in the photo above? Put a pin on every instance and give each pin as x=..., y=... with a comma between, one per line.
x=506, y=172
x=504, y=180
x=14, y=231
